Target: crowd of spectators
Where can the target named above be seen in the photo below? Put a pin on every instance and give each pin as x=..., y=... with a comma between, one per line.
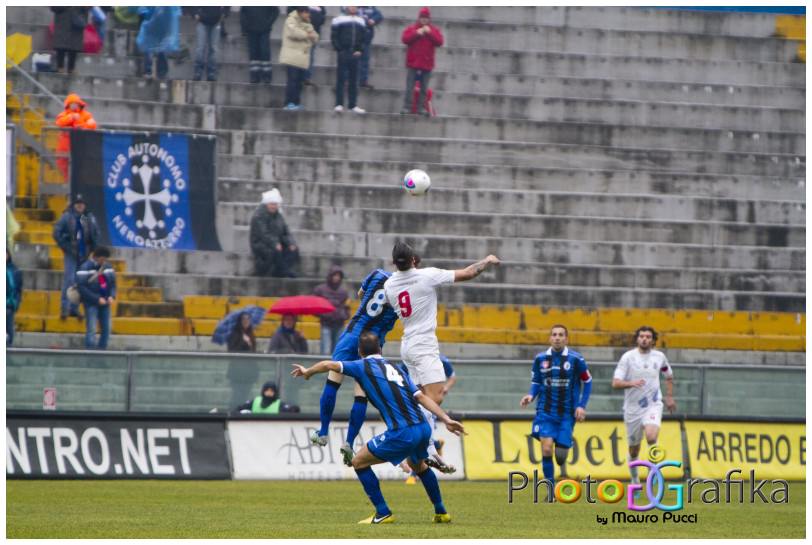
x=352, y=32
x=87, y=274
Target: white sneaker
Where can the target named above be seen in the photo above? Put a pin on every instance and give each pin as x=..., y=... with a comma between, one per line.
x=359, y=110
x=316, y=439
x=338, y=109
x=346, y=454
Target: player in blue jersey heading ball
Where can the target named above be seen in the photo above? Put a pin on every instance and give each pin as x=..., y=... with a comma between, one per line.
x=407, y=434
x=561, y=381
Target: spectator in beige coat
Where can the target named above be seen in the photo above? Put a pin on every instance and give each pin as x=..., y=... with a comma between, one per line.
x=298, y=37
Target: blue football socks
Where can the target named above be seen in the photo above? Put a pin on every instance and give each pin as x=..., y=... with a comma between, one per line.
x=432, y=486
x=373, y=489
x=327, y=404
x=357, y=415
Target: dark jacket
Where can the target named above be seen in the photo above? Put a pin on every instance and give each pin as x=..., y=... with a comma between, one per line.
x=69, y=27
x=420, y=52
x=65, y=231
x=266, y=400
x=90, y=284
x=258, y=19
x=236, y=342
x=286, y=341
x=348, y=33
x=337, y=295
x=14, y=286
x=210, y=15
x=268, y=230
x=370, y=13
x=318, y=15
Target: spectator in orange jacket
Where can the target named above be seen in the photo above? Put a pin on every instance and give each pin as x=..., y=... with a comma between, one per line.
x=75, y=116
x=422, y=38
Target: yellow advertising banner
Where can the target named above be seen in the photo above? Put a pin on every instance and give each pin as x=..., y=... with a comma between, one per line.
x=774, y=451
x=494, y=448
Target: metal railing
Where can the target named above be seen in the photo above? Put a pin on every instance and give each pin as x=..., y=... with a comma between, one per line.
x=200, y=382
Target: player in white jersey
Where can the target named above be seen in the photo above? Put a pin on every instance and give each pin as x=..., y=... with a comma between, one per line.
x=412, y=292
x=638, y=372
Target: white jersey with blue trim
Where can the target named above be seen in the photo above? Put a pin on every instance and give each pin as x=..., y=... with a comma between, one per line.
x=634, y=365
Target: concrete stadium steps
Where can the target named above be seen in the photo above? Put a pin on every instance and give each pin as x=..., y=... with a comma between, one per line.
x=518, y=63
x=150, y=262
x=246, y=193
x=586, y=252
x=559, y=122
x=551, y=119
x=489, y=152
x=616, y=18
x=273, y=168
x=518, y=34
x=176, y=286
x=516, y=154
x=549, y=226
x=524, y=38
x=721, y=23
x=477, y=112
x=506, y=87
x=191, y=343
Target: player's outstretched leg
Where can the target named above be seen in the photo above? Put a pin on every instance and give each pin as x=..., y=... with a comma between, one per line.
x=358, y=414
x=327, y=404
x=432, y=486
x=362, y=463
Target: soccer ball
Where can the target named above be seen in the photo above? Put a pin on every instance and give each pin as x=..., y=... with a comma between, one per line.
x=416, y=182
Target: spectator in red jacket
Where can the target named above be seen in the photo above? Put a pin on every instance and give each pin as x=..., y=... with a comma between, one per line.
x=422, y=38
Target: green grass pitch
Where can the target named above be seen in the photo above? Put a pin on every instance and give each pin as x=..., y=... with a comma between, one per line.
x=307, y=509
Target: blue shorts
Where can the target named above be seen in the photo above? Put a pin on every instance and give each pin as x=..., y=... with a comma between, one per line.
x=346, y=348
x=558, y=427
x=395, y=446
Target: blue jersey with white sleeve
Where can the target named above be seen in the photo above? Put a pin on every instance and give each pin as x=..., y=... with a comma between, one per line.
x=389, y=388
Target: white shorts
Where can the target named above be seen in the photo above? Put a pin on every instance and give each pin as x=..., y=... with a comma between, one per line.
x=635, y=423
x=421, y=354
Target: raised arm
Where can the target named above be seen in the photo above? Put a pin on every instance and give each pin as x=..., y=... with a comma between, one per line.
x=452, y=425
x=472, y=271
x=321, y=367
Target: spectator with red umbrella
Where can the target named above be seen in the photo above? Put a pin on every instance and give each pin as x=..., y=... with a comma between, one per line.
x=287, y=340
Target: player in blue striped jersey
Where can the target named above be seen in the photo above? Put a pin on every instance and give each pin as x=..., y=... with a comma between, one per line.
x=407, y=434
x=562, y=383
x=373, y=314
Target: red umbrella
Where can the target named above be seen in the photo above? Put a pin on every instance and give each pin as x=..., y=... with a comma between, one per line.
x=302, y=304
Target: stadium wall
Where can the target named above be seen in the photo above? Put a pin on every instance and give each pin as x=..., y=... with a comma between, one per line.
x=85, y=445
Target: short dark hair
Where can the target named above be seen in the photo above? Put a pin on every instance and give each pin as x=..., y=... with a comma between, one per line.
x=562, y=326
x=101, y=251
x=368, y=344
x=302, y=8
x=645, y=328
x=403, y=256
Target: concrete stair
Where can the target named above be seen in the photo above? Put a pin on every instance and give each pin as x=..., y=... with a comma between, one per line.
x=655, y=157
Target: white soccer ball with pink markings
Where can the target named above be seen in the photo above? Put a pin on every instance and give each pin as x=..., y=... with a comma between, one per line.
x=416, y=182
